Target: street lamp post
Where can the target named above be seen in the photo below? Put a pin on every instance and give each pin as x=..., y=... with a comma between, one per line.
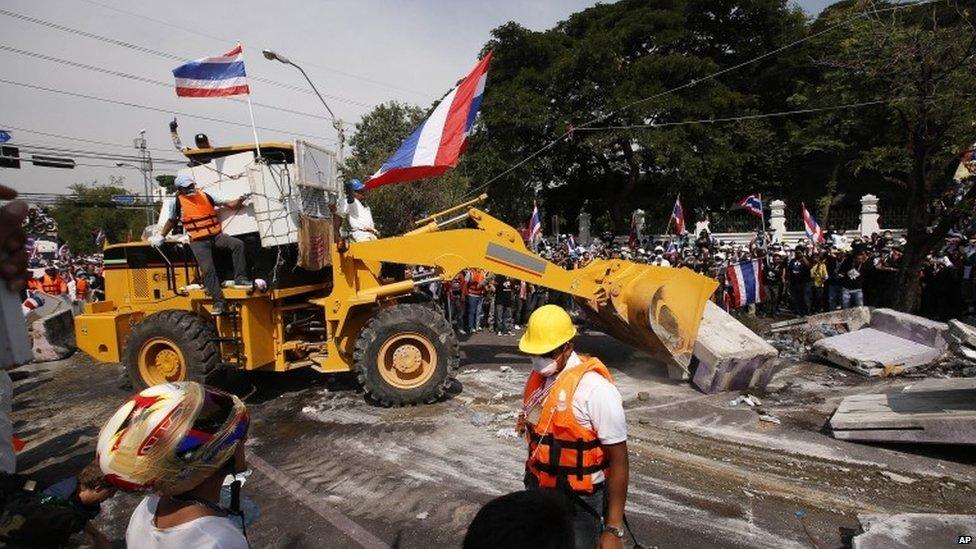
x=146, y=168
x=336, y=123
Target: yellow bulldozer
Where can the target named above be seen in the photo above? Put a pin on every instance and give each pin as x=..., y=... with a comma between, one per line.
x=348, y=316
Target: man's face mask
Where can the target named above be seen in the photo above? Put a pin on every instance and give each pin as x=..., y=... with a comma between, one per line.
x=544, y=365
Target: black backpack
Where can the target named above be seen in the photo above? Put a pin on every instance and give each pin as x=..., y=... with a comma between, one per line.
x=29, y=518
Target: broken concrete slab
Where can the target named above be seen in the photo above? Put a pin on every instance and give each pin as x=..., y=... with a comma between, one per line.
x=869, y=350
x=962, y=333
x=846, y=320
x=913, y=328
x=911, y=530
x=933, y=411
x=728, y=354
x=53, y=337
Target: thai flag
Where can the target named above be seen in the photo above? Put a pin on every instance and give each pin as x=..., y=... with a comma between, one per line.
x=746, y=281
x=814, y=232
x=678, y=216
x=33, y=301
x=570, y=244
x=535, y=225
x=213, y=76
x=434, y=147
x=752, y=204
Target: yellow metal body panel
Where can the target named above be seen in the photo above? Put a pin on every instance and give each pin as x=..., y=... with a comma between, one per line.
x=103, y=335
x=255, y=327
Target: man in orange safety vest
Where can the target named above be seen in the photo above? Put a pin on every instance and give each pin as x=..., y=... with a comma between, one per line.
x=573, y=420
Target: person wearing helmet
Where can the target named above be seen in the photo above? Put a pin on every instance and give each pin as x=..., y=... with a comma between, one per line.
x=572, y=414
x=197, y=211
x=178, y=441
x=357, y=213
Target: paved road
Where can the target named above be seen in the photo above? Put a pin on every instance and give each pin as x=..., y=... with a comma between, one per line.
x=331, y=470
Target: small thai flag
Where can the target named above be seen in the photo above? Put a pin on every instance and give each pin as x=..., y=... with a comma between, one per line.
x=213, y=76
x=570, y=244
x=746, y=281
x=678, y=215
x=752, y=204
x=33, y=301
x=814, y=232
x=535, y=225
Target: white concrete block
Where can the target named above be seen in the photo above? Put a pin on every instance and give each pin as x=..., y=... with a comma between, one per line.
x=914, y=328
x=868, y=351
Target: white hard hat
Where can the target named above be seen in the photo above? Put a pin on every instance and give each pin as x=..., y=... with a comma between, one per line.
x=184, y=181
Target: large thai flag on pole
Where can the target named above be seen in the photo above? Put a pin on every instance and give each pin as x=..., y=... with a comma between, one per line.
x=434, y=147
x=213, y=76
x=746, y=281
x=752, y=204
x=814, y=232
x=535, y=226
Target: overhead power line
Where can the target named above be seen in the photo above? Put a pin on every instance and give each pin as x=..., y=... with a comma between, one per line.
x=157, y=109
x=31, y=160
x=46, y=150
x=163, y=54
x=225, y=40
x=78, y=139
x=143, y=79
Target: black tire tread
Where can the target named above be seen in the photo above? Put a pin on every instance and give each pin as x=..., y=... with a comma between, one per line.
x=191, y=332
x=413, y=313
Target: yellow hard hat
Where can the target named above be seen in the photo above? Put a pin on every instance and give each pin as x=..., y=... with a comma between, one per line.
x=548, y=328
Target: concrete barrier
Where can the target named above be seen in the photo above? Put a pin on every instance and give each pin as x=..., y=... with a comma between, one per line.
x=913, y=328
x=729, y=355
x=53, y=336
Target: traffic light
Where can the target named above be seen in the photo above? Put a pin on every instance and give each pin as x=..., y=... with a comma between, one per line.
x=9, y=157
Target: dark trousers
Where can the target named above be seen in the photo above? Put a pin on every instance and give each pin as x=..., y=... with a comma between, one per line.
x=587, y=528
x=203, y=251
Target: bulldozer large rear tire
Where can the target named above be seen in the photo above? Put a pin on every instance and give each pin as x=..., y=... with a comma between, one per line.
x=406, y=354
x=171, y=346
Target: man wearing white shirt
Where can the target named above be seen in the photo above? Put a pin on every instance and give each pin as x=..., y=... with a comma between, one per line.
x=574, y=423
x=357, y=214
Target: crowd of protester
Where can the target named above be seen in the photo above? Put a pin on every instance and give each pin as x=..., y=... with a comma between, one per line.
x=799, y=277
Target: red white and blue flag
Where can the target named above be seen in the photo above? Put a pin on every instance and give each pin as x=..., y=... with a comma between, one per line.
x=678, y=216
x=752, y=204
x=434, y=147
x=746, y=282
x=213, y=76
x=535, y=226
x=814, y=232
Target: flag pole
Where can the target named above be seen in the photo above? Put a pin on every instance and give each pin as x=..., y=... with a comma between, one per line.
x=250, y=110
x=762, y=219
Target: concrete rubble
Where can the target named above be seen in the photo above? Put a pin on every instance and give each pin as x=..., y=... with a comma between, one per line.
x=911, y=530
x=729, y=356
x=51, y=329
x=891, y=343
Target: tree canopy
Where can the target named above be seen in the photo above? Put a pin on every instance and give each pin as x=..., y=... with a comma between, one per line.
x=88, y=208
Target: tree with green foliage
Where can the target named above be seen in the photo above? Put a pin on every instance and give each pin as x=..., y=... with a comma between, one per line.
x=603, y=77
x=396, y=207
x=89, y=208
x=919, y=61
x=167, y=183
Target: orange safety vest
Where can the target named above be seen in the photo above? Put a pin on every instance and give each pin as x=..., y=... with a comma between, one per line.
x=53, y=285
x=198, y=216
x=562, y=453
x=81, y=288
x=475, y=286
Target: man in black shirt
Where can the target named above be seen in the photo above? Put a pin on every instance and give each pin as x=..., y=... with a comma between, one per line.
x=798, y=272
x=503, y=305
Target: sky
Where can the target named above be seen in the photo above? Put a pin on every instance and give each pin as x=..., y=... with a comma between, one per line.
x=359, y=53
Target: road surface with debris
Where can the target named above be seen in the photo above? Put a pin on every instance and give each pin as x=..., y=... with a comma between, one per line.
x=332, y=470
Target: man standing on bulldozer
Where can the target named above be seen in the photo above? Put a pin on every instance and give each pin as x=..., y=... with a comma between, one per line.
x=573, y=420
x=197, y=211
x=358, y=214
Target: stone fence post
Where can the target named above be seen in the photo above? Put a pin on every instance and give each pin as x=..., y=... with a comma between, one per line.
x=777, y=219
x=869, y=215
x=584, y=229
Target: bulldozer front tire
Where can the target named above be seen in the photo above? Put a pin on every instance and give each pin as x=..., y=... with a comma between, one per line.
x=171, y=346
x=406, y=354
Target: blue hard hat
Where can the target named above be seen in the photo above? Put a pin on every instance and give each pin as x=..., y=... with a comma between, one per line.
x=356, y=185
x=184, y=182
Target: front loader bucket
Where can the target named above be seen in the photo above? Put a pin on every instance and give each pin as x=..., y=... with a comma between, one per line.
x=656, y=309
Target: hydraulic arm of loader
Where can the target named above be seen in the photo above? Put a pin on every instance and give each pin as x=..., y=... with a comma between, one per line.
x=657, y=309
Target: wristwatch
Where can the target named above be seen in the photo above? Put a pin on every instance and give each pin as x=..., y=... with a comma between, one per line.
x=616, y=531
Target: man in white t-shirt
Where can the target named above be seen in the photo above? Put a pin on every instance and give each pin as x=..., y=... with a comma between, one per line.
x=574, y=423
x=358, y=214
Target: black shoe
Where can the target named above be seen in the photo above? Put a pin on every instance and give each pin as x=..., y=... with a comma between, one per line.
x=218, y=309
x=242, y=282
